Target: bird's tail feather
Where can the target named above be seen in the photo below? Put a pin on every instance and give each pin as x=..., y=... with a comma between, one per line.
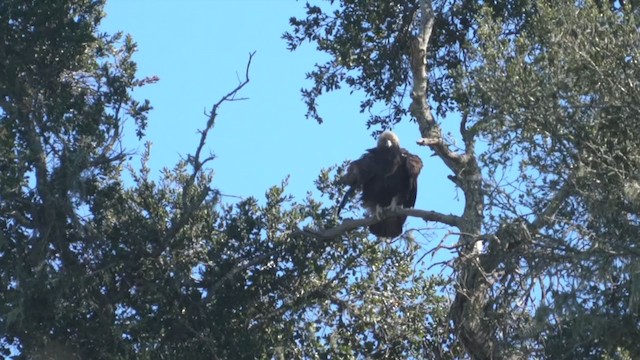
x=348, y=195
x=389, y=227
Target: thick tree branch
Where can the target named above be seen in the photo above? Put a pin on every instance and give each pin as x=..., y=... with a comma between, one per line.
x=420, y=109
x=352, y=224
x=468, y=311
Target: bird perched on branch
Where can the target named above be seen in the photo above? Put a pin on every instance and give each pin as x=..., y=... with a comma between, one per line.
x=387, y=175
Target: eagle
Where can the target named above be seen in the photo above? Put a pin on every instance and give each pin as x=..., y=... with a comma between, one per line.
x=388, y=177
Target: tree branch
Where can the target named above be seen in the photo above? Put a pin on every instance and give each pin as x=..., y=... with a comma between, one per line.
x=243, y=265
x=548, y=214
x=468, y=310
x=352, y=224
x=419, y=108
x=197, y=163
x=230, y=96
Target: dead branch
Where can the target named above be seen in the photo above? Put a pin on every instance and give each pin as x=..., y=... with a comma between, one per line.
x=230, y=96
x=197, y=163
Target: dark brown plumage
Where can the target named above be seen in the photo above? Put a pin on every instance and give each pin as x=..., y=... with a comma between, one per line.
x=387, y=176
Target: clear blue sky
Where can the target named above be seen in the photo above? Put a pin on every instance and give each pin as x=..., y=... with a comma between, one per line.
x=198, y=49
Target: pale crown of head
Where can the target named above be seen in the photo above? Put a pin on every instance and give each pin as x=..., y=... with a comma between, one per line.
x=388, y=139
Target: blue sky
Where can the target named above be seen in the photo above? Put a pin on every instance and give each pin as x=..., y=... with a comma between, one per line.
x=199, y=50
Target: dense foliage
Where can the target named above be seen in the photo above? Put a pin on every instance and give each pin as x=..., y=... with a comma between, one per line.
x=550, y=91
x=545, y=97
x=93, y=266
x=568, y=122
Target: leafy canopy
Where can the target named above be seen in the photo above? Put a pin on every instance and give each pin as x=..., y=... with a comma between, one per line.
x=93, y=266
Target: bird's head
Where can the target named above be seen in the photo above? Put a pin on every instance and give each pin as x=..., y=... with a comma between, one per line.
x=388, y=139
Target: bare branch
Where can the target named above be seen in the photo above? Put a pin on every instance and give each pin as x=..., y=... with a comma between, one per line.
x=352, y=224
x=189, y=206
x=230, y=96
